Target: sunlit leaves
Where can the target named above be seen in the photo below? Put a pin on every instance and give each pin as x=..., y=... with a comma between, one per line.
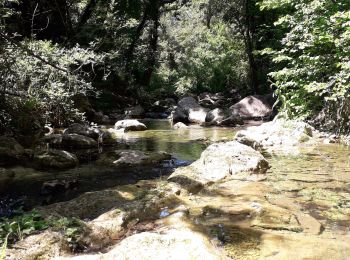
x=314, y=58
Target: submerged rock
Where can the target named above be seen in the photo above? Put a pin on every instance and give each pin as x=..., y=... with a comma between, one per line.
x=57, y=186
x=11, y=151
x=132, y=157
x=130, y=125
x=220, y=161
x=55, y=159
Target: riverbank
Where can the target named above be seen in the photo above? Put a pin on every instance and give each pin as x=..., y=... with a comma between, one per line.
x=276, y=206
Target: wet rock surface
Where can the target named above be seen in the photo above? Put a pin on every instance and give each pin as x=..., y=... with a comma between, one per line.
x=132, y=157
x=130, y=125
x=220, y=161
x=189, y=109
x=78, y=141
x=279, y=135
x=81, y=129
x=55, y=159
x=253, y=107
x=240, y=205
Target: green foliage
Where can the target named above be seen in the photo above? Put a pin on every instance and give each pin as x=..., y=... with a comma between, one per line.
x=18, y=227
x=314, y=58
x=197, y=56
x=24, y=224
x=45, y=84
x=72, y=229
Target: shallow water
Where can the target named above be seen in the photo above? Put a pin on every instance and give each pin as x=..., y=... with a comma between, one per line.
x=317, y=180
x=185, y=146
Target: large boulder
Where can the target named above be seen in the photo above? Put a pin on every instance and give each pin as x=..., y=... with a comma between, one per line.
x=219, y=117
x=81, y=129
x=55, y=159
x=53, y=140
x=135, y=112
x=11, y=151
x=279, y=134
x=211, y=100
x=215, y=116
x=163, y=106
x=194, y=112
x=130, y=125
x=179, y=115
x=220, y=161
x=253, y=107
x=78, y=141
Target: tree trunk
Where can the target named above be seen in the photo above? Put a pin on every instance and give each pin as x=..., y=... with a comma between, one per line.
x=249, y=44
x=130, y=51
x=89, y=8
x=152, y=56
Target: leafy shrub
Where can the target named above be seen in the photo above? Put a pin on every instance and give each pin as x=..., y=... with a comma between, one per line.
x=43, y=77
x=314, y=63
x=18, y=227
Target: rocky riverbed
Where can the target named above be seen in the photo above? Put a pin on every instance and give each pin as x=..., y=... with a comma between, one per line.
x=247, y=198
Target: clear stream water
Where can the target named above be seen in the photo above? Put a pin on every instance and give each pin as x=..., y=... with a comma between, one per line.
x=318, y=180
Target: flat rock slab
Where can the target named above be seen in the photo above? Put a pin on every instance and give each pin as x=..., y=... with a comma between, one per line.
x=172, y=244
x=220, y=161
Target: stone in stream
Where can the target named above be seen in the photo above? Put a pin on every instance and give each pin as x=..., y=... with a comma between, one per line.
x=81, y=129
x=194, y=112
x=253, y=107
x=55, y=159
x=180, y=125
x=279, y=134
x=78, y=141
x=132, y=157
x=11, y=152
x=54, y=140
x=57, y=186
x=219, y=117
x=220, y=161
x=130, y=125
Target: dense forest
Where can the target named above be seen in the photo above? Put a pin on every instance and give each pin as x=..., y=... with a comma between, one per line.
x=174, y=129
x=53, y=51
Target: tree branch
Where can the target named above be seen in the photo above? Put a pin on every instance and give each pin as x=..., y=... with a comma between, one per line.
x=31, y=53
